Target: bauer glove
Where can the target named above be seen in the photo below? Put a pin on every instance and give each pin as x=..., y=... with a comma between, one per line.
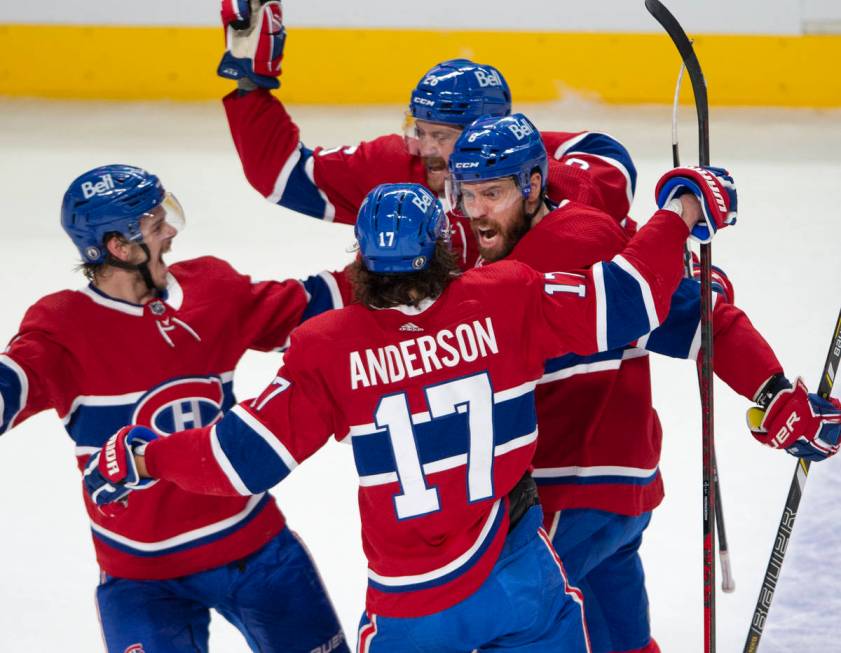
x=111, y=473
x=714, y=189
x=254, y=40
x=804, y=424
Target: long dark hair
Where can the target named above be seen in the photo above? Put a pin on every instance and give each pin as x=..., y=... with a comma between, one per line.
x=386, y=290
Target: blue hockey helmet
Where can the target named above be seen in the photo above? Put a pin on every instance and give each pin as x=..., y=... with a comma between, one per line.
x=398, y=227
x=458, y=92
x=112, y=199
x=492, y=148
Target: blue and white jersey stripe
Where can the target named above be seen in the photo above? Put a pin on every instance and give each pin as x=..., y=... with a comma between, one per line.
x=624, y=304
x=569, y=365
x=295, y=187
x=252, y=458
x=680, y=334
x=14, y=390
x=444, y=443
x=322, y=294
x=597, y=474
x=450, y=571
x=606, y=148
x=187, y=540
x=175, y=405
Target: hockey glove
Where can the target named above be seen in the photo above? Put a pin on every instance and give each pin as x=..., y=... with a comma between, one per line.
x=804, y=424
x=714, y=189
x=720, y=281
x=111, y=473
x=254, y=39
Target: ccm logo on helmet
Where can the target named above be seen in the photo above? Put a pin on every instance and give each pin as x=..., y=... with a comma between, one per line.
x=423, y=101
x=89, y=189
x=467, y=164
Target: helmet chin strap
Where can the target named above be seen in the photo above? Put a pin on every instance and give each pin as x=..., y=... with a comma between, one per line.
x=142, y=268
x=530, y=216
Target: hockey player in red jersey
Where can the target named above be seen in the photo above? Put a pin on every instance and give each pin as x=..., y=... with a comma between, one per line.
x=157, y=345
x=596, y=465
x=431, y=379
x=329, y=184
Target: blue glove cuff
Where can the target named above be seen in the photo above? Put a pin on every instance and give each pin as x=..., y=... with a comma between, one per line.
x=677, y=186
x=232, y=68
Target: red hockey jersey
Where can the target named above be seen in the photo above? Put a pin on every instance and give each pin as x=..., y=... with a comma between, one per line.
x=102, y=363
x=437, y=402
x=587, y=167
x=604, y=453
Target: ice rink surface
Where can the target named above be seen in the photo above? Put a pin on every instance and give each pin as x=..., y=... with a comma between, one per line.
x=782, y=258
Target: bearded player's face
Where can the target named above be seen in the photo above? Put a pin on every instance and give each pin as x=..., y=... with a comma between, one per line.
x=497, y=215
x=436, y=141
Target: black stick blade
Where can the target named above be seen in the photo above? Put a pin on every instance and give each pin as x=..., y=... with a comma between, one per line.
x=693, y=69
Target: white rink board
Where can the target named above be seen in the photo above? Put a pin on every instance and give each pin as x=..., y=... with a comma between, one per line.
x=710, y=16
x=782, y=257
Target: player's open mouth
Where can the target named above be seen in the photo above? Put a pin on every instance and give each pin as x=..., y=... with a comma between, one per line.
x=435, y=164
x=487, y=236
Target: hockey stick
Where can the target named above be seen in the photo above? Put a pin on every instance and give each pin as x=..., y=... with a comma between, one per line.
x=795, y=493
x=728, y=585
x=699, y=88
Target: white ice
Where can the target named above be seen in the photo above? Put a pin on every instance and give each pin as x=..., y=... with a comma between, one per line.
x=782, y=258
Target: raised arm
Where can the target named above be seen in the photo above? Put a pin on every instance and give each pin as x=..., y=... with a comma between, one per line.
x=617, y=301
x=328, y=184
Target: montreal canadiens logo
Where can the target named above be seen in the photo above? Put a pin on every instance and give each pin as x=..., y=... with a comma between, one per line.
x=179, y=404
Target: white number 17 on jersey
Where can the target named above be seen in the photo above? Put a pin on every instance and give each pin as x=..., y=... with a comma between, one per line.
x=472, y=395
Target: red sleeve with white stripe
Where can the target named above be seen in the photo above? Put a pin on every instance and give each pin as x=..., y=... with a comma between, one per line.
x=595, y=169
x=33, y=371
x=329, y=184
x=256, y=444
x=614, y=302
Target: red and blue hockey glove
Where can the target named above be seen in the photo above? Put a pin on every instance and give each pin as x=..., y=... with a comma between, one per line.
x=804, y=424
x=254, y=40
x=714, y=189
x=111, y=473
x=720, y=281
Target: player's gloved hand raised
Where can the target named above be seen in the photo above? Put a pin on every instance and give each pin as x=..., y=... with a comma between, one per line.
x=720, y=281
x=804, y=424
x=254, y=39
x=714, y=189
x=111, y=473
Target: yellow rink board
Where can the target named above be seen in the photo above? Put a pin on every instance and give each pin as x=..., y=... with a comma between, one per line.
x=353, y=66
